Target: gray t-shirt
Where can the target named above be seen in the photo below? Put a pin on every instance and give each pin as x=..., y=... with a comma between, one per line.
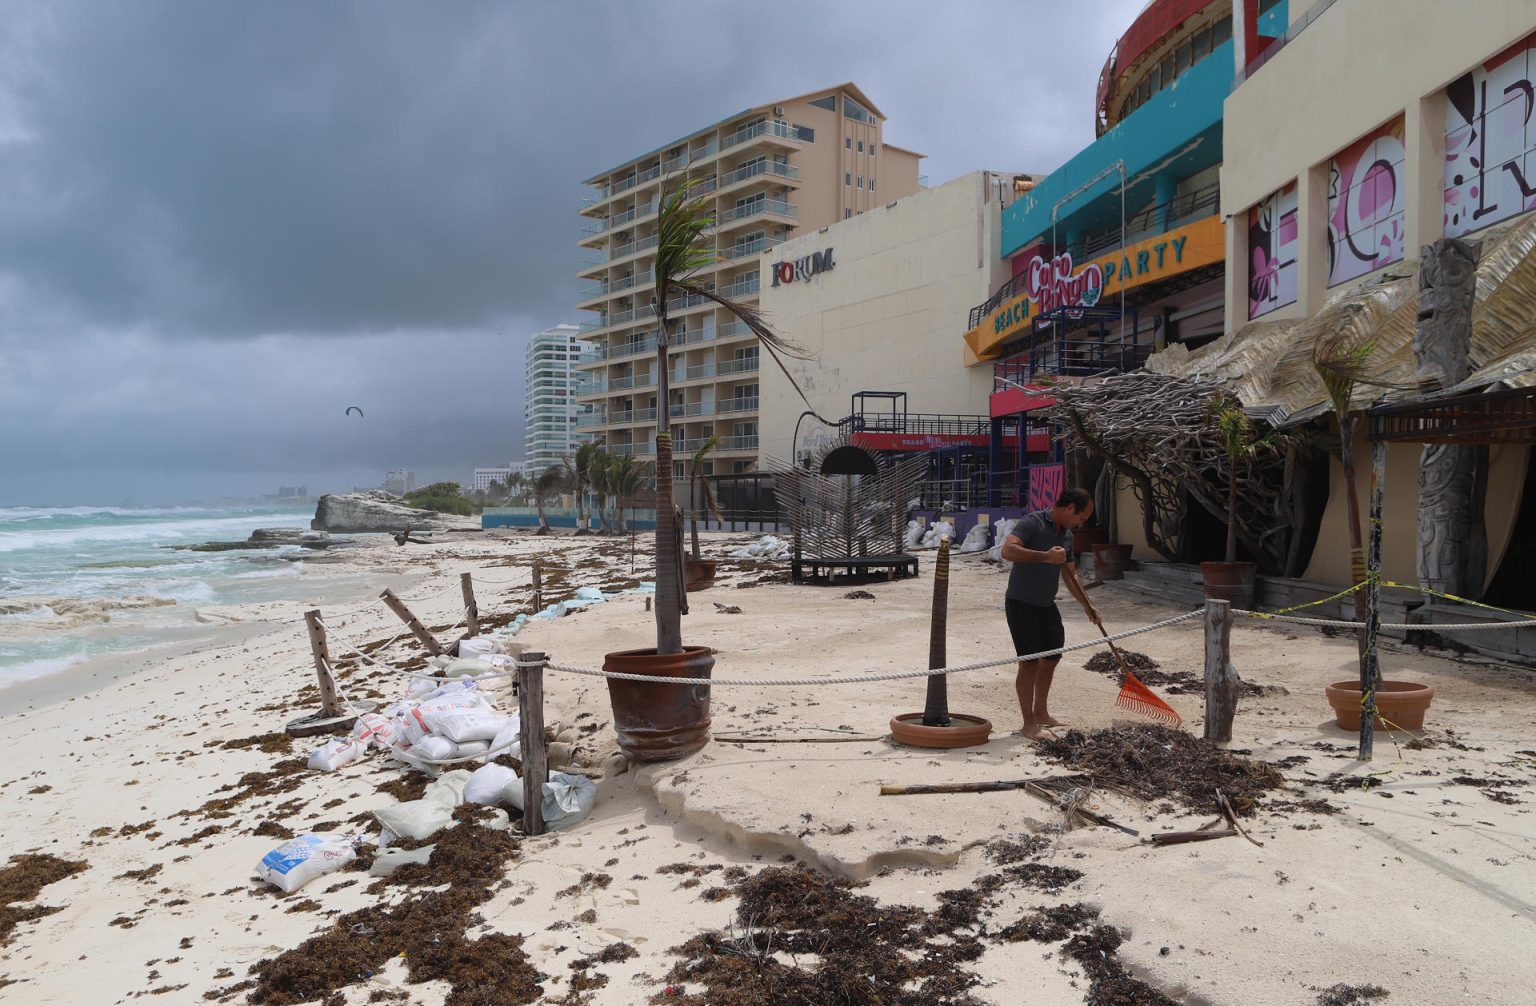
x=1036, y=582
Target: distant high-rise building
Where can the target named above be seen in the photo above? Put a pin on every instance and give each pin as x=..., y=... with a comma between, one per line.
x=483, y=477
x=400, y=481
x=773, y=172
x=553, y=422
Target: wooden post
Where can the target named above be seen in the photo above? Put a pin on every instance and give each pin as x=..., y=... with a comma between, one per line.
x=404, y=614
x=1220, y=675
x=936, y=707
x=530, y=709
x=631, y=552
x=471, y=609
x=330, y=703
x=538, y=588
x=1370, y=668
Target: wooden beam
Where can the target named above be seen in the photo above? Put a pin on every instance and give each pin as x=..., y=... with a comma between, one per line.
x=404, y=614
x=330, y=702
x=471, y=609
x=530, y=710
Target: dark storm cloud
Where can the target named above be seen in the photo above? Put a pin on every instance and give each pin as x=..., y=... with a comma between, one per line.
x=404, y=178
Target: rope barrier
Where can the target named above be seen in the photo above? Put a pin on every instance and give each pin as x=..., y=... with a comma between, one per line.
x=796, y=682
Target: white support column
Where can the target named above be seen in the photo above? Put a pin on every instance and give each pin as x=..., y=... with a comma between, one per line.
x=1424, y=172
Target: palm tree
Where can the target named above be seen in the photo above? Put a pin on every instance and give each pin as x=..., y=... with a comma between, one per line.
x=602, y=462
x=1341, y=368
x=684, y=223
x=579, y=467
x=626, y=478
x=697, y=483
x=549, y=482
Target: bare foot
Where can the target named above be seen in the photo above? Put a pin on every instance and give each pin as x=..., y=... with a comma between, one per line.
x=1031, y=731
x=1050, y=721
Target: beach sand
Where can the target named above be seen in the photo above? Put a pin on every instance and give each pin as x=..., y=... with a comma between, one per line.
x=1422, y=884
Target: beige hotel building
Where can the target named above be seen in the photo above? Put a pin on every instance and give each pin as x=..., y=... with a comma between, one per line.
x=776, y=171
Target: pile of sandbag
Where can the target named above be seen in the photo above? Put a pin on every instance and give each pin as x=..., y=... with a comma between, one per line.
x=975, y=539
x=767, y=547
x=912, y=537
x=938, y=530
x=1000, y=531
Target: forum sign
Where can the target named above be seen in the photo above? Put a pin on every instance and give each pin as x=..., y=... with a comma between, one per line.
x=801, y=269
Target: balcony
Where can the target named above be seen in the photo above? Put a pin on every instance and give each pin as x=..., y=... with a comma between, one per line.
x=633, y=348
x=622, y=383
x=742, y=443
x=699, y=370
x=774, y=128
x=588, y=293
x=746, y=248
x=743, y=287
x=777, y=169
x=691, y=410
x=633, y=416
x=595, y=419
x=740, y=365
x=759, y=207
x=632, y=247
x=726, y=406
x=692, y=336
x=732, y=330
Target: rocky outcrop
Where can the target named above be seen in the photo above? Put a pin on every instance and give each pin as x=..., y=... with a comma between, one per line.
x=379, y=512
x=268, y=537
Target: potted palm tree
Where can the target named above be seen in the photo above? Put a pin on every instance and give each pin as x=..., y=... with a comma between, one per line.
x=658, y=722
x=579, y=467
x=698, y=571
x=1231, y=580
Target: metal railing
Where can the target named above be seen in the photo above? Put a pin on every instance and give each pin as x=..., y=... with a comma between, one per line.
x=591, y=292
x=595, y=419
x=742, y=443
x=632, y=348
x=765, y=167
x=740, y=365
x=690, y=409
x=742, y=287
x=633, y=416
x=634, y=246
x=745, y=248
x=768, y=127
x=728, y=405
x=698, y=371
x=732, y=329
x=751, y=209
x=917, y=424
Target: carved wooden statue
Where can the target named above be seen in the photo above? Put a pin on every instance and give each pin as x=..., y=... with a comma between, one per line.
x=1452, y=542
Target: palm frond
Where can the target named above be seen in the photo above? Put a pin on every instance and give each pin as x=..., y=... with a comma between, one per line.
x=697, y=464
x=682, y=218
x=711, y=502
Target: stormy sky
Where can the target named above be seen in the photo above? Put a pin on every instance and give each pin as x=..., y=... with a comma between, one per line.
x=222, y=223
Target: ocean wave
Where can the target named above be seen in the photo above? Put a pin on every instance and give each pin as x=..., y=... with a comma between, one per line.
x=39, y=667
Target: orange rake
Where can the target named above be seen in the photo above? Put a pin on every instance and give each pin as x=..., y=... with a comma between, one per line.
x=1137, y=697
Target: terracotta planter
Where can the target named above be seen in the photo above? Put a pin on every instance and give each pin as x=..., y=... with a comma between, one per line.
x=963, y=731
x=660, y=722
x=1230, y=581
x=698, y=574
x=1084, y=538
x=1403, y=703
x=1111, y=561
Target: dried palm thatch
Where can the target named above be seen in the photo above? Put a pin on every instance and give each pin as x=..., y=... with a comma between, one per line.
x=1164, y=435
x=1270, y=364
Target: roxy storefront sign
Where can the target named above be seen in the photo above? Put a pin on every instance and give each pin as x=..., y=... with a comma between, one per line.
x=801, y=269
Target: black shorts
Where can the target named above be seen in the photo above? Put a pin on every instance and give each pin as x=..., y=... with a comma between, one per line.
x=1034, y=628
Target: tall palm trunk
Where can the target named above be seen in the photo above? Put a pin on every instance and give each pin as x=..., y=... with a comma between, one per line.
x=668, y=607
x=693, y=514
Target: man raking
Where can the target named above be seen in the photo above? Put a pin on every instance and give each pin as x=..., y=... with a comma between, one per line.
x=1040, y=548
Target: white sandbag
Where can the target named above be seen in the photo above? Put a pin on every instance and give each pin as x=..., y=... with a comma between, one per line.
x=456, y=688
x=390, y=860
x=589, y=595
x=298, y=861
x=423, y=818
x=433, y=746
x=374, y=730
x=463, y=726
x=489, y=784
x=568, y=799
x=420, y=688
x=975, y=539
x=335, y=753
x=506, y=738
x=940, y=529
x=469, y=749
x=467, y=667
x=913, y=534
x=1000, y=531
x=479, y=646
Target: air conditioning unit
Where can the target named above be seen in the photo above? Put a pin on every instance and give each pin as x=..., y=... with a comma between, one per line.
x=778, y=109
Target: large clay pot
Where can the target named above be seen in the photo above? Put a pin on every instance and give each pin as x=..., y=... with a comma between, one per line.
x=1111, y=561
x=963, y=731
x=1402, y=703
x=698, y=574
x=1230, y=581
x=1084, y=538
x=660, y=722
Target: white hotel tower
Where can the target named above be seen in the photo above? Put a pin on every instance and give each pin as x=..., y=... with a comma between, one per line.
x=550, y=410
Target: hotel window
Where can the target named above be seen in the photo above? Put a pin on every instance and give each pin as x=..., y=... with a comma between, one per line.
x=861, y=181
x=847, y=177
x=871, y=183
x=847, y=214
x=1183, y=56
x=848, y=142
x=1221, y=31
x=1202, y=44
x=861, y=146
x=1167, y=69
x=855, y=111
x=829, y=103
x=805, y=133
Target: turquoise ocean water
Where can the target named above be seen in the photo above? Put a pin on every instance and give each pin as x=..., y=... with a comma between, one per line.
x=83, y=582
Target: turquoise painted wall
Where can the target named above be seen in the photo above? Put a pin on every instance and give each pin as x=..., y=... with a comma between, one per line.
x=1181, y=123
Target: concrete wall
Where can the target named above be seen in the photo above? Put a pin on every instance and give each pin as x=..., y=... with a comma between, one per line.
x=1359, y=65
x=887, y=315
